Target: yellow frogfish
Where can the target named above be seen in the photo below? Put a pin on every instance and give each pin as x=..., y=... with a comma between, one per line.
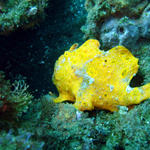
x=92, y=78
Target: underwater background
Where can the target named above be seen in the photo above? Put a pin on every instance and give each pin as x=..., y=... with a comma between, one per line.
x=33, y=35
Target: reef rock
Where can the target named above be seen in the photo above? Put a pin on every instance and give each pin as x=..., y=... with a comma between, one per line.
x=125, y=31
x=100, y=10
x=119, y=32
x=20, y=14
x=144, y=23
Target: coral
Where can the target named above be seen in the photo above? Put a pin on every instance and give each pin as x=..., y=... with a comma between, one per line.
x=100, y=10
x=20, y=13
x=64, y=124
x=94, y=78
x=128, y=133
x=61, y=126
x=68, y=128
x=14, y=98
x=10, y=141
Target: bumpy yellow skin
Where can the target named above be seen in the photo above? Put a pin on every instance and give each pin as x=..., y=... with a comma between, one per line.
x=93, y=78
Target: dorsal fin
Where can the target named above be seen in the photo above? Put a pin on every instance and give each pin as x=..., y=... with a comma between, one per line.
x=73, y=47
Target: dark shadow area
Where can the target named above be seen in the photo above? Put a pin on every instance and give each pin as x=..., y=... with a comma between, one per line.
x=32, y=53
x=137, y=80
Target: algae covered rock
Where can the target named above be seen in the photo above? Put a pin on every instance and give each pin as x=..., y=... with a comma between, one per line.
x=22, y=14
x=144, y=61
x=72, y=129
x=126, y=31
x=99, y=10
